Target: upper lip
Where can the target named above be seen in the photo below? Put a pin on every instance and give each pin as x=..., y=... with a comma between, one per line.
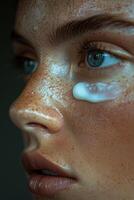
x=33, y=162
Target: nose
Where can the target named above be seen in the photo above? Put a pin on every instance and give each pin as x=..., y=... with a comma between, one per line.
x=29, y=114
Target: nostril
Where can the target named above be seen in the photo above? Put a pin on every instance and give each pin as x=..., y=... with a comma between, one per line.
x=37, y=125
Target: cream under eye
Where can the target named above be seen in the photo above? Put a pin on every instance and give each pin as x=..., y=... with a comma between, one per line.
x=97, y=92
x=96, y=57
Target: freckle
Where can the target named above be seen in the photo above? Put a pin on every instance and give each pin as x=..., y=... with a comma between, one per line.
x=72, y=148
x=122, y=164
x=35, y=28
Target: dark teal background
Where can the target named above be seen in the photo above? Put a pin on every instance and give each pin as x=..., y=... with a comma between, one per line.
x=12, y=178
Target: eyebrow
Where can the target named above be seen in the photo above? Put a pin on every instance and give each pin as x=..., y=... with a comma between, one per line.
x=77, y=28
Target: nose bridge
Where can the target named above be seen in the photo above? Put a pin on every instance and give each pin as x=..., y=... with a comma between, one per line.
x=31, y=109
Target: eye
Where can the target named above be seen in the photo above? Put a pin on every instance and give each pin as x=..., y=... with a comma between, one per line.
x=27, y=65
x=101, y=59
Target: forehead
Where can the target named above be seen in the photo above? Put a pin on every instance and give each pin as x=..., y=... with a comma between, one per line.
x=49, y=8
x=42, y=15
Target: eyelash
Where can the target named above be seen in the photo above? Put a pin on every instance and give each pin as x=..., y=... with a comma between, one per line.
x=82, y=50
x=90, y=46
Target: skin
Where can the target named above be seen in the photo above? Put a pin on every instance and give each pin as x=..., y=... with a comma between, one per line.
x=93, y=141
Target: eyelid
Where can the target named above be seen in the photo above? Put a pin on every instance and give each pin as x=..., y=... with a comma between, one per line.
x=107, y=47
x=24, y=51
x=26, y=54
x=25, y=58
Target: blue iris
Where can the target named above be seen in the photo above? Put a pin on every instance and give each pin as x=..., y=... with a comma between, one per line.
x=99, y=58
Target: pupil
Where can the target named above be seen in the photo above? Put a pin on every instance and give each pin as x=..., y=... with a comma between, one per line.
x=95, y=58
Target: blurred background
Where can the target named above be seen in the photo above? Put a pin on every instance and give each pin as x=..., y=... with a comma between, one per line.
x=13, y=184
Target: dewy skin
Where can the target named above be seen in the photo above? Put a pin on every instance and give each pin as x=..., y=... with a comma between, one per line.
x=96, y=92
x=60, y=66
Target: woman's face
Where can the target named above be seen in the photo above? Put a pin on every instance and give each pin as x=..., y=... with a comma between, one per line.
x=88, y=139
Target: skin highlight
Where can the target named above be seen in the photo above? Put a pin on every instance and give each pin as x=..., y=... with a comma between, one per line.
x=94, y=141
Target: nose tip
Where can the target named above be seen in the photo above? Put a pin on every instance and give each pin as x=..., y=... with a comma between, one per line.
x=51, y=119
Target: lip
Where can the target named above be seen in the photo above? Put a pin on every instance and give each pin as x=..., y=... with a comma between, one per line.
x=45, y=185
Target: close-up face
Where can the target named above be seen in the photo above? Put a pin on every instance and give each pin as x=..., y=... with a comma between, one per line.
x=76, y=111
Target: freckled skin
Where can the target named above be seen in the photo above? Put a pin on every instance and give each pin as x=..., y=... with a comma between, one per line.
x=95, y=140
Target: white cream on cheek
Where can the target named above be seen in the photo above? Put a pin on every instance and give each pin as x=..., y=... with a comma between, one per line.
x=97, y=92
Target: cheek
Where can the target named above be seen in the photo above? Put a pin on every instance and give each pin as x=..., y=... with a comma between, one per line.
x=105, y=137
